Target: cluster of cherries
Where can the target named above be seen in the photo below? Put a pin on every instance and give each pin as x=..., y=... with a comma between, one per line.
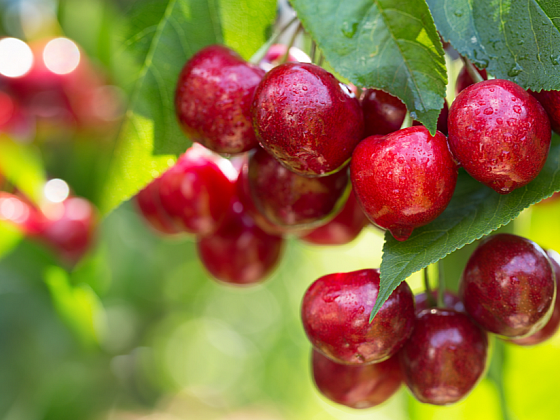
x=508, y=288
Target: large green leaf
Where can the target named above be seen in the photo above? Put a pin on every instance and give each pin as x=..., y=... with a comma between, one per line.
x=516, y=40
x=474, y=211
x=388, y=44
x=163, y=35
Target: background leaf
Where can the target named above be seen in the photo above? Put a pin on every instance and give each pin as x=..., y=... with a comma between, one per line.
x=388, y=44
x=515, y=40
x=163, y=35
x=474, y=211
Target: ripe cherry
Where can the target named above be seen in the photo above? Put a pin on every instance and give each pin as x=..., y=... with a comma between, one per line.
x=343, y=229
x=360, y=386
x=553, y=323
x=550, y=101
x=499, y=133
x=464, y=79
x=383, y=112
x=335, y=313
x=508, y=286
x=196, y=192
x=307, y=119
x=240, y=252
x=213, y=100
x=445, y=356
x=149, y=204
x=403, y=180
x=291, y=200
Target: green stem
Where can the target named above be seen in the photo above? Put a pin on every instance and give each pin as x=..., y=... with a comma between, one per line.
x=471, y=69
x=407, y=122
x=291, y=43
x=428, y=290
x=313, y=52
x=261, y=52
x=441, y=285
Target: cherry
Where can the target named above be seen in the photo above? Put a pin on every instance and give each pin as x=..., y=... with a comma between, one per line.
x=508, y=286
x=445, y=356
x=292, y=200
x=276, y=53
x=240, y=252
x=450, y=301
x=383, y=112
x=464, y=79
x=553, y=323
x=307, y=119
x=335, y=313
x=499, y=133
x=196, y=192
x=403, y=180
x=550, y=101
x=343, y=229
x=360, y=386
x=20, y=213
x=149, y=204
x=213, y=99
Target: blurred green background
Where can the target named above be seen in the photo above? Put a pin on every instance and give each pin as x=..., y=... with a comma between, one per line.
x=138, y=330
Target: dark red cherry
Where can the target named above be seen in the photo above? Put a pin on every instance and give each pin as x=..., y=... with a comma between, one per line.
x=335, y=313
x=240, y=252
x=464, y=79
x=307, y=119
x=499, y=133
x=149, y=204
x=361, y=386
x=276, y=53
x=403, y=180
x=450, y=301
x=196, y=192
x=553, y=323
x=213, y=99
x=550, y=101
x=343, y=229
x=445, y=356
x=292, y=200
x=383, y=112
x=508, y=286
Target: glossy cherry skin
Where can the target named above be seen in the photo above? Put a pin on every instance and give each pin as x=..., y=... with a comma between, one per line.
x=362, y=386
x=307, y=119
x=276, y=53
x=213, y=99
x=383, y=112
x=445, y=356
x=196, y=193
x=464, y=79
x=150, y=207
x=508, y=286
x=450, y=301
x=553, y=323
x=550, y=101
x=335, y=313
x=499, y=133
x=240, y=252
x=343, y=229
x=403, y=180
x=292, y=200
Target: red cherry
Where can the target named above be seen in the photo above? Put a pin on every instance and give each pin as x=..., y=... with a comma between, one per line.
x=403, y=180
x=335, y=313
x=292, y=200
x=508, y=286
x=445, y=356
x=383, y=112
x=149, y=205
x=361, y=386
x=213, y=99
x=196, y=193
x=240, y=252
x=553, y=323
x=550, y=101
x=307, y=119
x=464, y=79
x=499, y=133
x=343, y=229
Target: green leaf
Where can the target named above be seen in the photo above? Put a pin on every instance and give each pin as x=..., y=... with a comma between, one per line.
x=22, y=165
x=474, y=211
x=163, y=35
x=387, y=44
x=515, y=40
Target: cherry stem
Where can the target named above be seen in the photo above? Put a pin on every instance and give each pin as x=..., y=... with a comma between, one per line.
x=291, y=43
x=441, y=285
x=313, y=52
x=407, y=122
x=471, y=69
x=261, y=52
x=321, y=59
x=428, y=290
